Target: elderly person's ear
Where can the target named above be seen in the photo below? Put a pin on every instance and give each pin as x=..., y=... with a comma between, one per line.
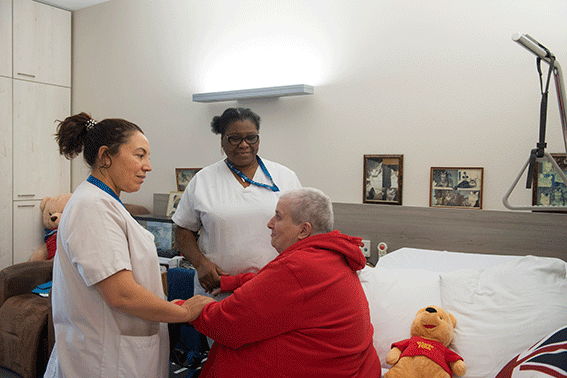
x=305, y=230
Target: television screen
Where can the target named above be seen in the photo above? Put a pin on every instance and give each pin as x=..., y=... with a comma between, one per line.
x=163, y=230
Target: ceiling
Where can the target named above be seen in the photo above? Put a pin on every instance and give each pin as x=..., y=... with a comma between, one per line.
x=72, y=5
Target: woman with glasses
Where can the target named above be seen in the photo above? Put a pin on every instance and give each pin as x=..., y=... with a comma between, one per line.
x=229, y=204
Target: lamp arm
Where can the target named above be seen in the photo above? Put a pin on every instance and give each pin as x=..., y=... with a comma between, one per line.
x=532, y=45
x=544, y=54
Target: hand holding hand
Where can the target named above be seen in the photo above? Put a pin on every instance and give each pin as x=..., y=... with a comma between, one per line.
x=195, y=305
x=209, y=275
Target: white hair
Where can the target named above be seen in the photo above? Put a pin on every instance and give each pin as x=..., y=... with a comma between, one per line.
x=312, y=206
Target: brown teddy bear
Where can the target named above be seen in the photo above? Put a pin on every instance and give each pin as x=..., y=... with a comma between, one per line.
x=426, y=353
x=51, y=209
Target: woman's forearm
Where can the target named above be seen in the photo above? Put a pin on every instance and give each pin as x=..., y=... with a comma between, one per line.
x=123, y=293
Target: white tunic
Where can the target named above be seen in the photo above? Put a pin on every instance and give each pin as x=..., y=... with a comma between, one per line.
x=96, y=238
x=233, y=219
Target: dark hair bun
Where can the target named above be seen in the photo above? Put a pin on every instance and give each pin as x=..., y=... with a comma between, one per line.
x=220, y=123
x=71, y=134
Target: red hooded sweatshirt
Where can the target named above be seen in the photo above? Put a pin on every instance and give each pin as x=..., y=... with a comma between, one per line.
x=303, y=315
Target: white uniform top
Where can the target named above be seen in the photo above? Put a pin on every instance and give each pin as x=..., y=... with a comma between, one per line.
x=96, y=238
x=233, y=219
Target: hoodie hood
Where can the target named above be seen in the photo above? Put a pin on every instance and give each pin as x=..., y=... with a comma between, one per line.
x=348, y=246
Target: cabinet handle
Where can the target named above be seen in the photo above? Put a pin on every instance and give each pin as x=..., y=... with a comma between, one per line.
x=26, y=205
x=26, y=195
x=24, y=74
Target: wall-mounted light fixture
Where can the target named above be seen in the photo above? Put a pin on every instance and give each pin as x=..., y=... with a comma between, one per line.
x=285, y=90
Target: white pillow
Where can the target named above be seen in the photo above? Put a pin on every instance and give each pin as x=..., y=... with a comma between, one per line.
x=394, y=297
x=440, y=261
x=502, y=310
x=547, y=358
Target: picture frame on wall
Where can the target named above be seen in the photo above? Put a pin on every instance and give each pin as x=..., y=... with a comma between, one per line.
x=548, y=189
x=382, y=180
x=183, y=176
x=174, y=198
x=456, y=187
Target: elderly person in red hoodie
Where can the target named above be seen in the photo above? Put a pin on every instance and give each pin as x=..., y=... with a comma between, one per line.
x=305, y=313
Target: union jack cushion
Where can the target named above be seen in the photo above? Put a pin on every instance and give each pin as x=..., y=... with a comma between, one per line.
x=547, y=358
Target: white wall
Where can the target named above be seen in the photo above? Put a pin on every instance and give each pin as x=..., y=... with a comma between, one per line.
x=440, y=82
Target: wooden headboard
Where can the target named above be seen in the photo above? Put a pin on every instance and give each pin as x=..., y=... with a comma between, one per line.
x=456, y=230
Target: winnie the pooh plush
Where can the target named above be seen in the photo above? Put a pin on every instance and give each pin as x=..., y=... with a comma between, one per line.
x=51, y=209
x=426, y=353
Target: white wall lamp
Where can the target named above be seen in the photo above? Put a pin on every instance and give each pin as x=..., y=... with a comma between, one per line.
x=245, y=94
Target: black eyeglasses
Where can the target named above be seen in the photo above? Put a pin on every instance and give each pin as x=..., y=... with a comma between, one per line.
x=236, y=140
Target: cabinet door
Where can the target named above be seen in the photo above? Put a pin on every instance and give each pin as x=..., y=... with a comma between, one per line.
x=6, y=38
x=42, y=43
x=38, y=168
x=5, y=172
x=28, y=230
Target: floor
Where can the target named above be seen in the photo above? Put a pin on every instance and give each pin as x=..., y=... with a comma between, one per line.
x=175, y=371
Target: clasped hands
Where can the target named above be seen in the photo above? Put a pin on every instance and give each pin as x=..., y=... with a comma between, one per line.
x=209, y=275
x=194, y=306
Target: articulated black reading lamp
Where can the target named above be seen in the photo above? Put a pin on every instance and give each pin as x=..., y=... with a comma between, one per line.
x=539, y=154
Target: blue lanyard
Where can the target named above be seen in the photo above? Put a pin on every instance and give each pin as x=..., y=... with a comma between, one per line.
x=272, y=187
x=96, y=182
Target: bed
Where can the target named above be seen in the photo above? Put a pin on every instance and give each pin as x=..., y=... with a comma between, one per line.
x=502, y=274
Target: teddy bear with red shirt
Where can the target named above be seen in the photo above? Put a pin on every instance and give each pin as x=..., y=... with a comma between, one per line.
x=51, y=211
x=426, y=353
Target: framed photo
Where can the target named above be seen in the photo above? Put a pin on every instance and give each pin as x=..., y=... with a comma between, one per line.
x=183, y=176
x=456, y=187
x=174, y=198
x=382, y=181
x=548, y=189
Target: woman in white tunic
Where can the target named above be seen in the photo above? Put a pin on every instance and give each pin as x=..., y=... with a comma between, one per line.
x=230, y=202
x=108, y=301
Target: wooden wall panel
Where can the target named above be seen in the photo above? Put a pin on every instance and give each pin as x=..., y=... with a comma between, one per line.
x=456, y=230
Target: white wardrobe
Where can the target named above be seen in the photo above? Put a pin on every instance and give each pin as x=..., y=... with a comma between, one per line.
x=35, y=92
